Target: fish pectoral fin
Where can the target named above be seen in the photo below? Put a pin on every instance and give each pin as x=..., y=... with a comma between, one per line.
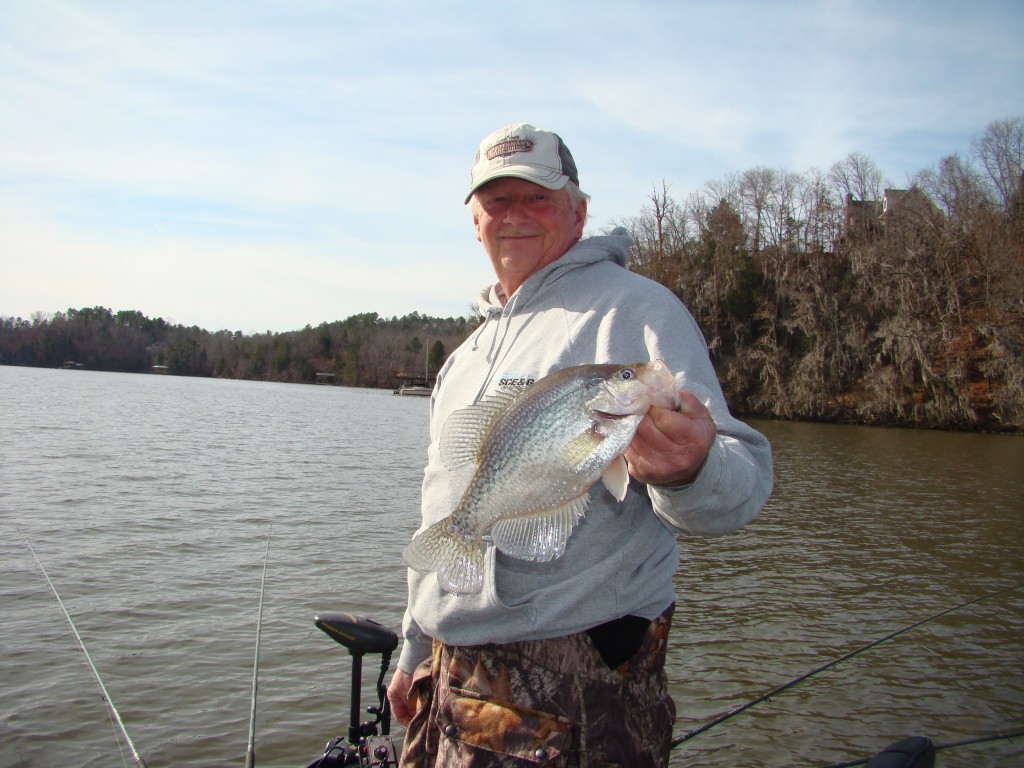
x=459, y=564
x=616, y=478
x=582, y=446
x=539, y=537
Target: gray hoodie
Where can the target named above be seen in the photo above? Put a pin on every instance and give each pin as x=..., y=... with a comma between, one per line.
x=586, y=307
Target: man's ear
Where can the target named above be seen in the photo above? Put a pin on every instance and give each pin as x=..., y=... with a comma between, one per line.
x=581, y=217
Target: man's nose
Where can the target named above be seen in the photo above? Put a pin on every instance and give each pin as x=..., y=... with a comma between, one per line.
x=517, y=210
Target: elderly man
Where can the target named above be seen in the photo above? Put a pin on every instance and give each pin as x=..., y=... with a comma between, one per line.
x=561, y=663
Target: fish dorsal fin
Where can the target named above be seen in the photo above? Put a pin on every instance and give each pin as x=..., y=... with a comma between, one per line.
x=540, y=537
x=616, y=478
x=465, y=429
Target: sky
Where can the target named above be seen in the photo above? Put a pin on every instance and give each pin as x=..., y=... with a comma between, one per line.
x=263, y=165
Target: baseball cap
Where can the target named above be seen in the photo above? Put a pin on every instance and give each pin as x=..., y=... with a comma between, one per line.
x=523, y=152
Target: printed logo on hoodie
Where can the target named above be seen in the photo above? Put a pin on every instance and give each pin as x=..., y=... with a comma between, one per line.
x=514, y=381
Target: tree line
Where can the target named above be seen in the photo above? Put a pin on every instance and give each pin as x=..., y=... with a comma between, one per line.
x=823, y=295
x=364, y=350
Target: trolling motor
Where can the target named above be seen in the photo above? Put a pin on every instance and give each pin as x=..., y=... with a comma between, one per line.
x=363, y=746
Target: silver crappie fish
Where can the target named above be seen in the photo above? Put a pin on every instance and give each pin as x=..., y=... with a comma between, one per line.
x=537, y=452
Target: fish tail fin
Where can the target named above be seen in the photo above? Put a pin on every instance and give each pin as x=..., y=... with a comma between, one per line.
x=459, y=564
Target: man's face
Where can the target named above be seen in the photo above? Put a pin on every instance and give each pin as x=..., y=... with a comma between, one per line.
x=524, y=227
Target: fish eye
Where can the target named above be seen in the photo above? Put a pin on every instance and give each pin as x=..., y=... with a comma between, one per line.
x=626, y=374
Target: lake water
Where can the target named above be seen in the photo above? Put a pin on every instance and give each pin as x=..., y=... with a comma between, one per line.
x=149, y=500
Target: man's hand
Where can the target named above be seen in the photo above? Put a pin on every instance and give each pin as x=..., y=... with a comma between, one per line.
x=670, y=446
x=402, y=707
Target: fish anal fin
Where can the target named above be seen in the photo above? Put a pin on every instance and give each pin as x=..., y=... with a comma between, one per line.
x=540, y=537
x=616, y=478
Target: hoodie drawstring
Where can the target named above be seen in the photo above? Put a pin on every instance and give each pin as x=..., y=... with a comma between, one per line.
x=490, y=315
x=496, y=343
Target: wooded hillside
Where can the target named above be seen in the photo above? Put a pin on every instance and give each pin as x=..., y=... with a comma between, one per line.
x=823, y=296
x=832, y=297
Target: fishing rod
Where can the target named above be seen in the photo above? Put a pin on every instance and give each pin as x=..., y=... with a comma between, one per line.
x=250, y=754
x=136, y=757
x=797, y=680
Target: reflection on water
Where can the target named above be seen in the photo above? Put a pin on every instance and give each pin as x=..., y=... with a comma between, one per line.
x=149, y=500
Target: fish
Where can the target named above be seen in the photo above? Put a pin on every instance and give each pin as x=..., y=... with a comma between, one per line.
x=537, y=451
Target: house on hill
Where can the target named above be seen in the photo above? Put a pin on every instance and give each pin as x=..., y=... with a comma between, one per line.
x=867, y=219
x=861, y=218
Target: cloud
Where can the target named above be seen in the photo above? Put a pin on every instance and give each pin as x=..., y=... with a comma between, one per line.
x=267, y=164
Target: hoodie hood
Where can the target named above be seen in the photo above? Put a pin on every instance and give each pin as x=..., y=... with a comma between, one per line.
x=614, y=247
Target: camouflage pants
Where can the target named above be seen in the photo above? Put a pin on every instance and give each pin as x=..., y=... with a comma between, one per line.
x=545, y=702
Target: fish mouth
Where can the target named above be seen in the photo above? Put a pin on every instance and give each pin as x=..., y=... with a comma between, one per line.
x=609, y=416
x=661, y=383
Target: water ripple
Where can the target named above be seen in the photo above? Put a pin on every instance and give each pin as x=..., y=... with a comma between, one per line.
x=149, y=499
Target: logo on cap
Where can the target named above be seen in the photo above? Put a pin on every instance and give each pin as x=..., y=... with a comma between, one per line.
x=509, y=147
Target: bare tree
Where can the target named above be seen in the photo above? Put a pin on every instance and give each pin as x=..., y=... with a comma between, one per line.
x=1000, y=150
x=955, y=186
x=818, y=210
x=783, y=221
x=755, y=191
x=856, y=175
x=659, y=237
